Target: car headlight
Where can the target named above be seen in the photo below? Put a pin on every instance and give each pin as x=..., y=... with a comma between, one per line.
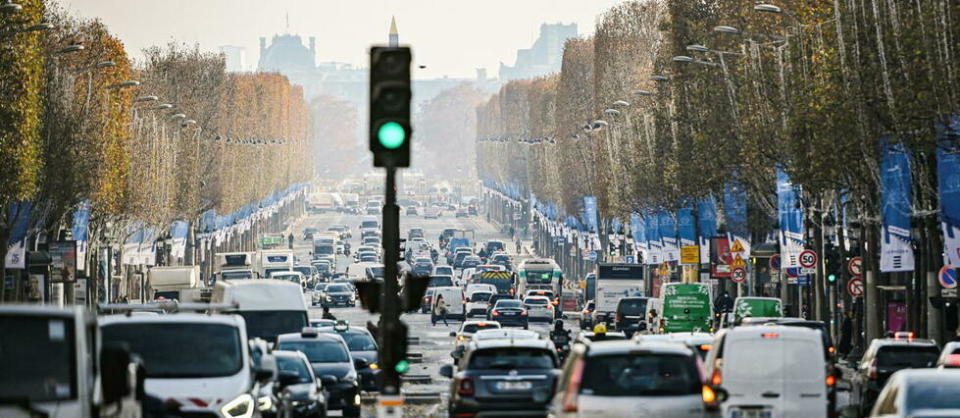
x=239, y=407
x=264, y=403
x=301, y=403
x=350, y=376
x=328, y=298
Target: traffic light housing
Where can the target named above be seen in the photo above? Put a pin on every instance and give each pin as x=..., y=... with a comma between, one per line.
x=393, y=362
x=390, y=94
x=414, y=287
x=833, y=264
x=369, y=292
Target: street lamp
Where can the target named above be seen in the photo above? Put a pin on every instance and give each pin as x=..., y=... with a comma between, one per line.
x=767, y=8
x=697, y=48
x=71, y=48
x=146, y=99
x=682, y=58
x=643, y=93
x=162, y=106
x=659, y=78
x=129, y=83
x=178, y=116
x=726, y=29
x=621, y=103
x=10, y=6
x=614, y=112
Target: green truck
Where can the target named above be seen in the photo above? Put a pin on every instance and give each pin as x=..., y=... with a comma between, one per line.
x=687, y=307
x=756, y=307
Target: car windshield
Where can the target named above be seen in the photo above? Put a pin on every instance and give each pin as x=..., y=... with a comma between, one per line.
x=369, y=224
x=440, y=281
x=305, y=271
x=932, y=394
x=161, y=346
x=480, y=297
x=472, y=328
x=359, y=341
x=236, y=275
x=512, y=303
x=632, y=307
x=296, y=365
x=318, y=351
x=640, y=375
x=269, y=324
x=536, y=301
x=375, y=272
x=444, y=270
x=337, y=288
x=509, y=358
x=27, y=339
x=905, y=356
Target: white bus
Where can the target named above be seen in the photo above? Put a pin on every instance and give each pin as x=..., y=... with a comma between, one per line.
x=539, y=274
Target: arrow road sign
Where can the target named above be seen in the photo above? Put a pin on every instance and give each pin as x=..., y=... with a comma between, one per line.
x=855, y=287
x=855, y=267
x=948, y=277
x=739, y=275
x=808, y=258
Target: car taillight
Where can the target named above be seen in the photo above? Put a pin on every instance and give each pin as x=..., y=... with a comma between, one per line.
x=716, y=379
x=523, y=312
x=872, y=370
x=708, y=395
x=465, y=387
x=619, y=317
x=495, y=313
x=831, y=380
x=952, y=361
x=573, y=387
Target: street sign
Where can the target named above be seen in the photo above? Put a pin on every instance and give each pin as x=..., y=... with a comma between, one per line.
x=808, y=258
x=948, y=293
x=793, y=272
x=630, y=259
x=807, y=271
x=738, y=261
x=690, y=254
x=774, y=262
x=592, y=255
x=855, y=267
x=739, y=275
x=737, y=247
x=855, y=287
x=948, y=277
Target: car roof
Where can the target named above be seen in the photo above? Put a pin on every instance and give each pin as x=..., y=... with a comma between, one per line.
x=290, y=354
x=930, y=375
x=510, y=342
x=785, y=330
x=177, y=318
x=627, y=346
x=886, y=342
x=537, y=297
x=503, y=333
x=321, y=336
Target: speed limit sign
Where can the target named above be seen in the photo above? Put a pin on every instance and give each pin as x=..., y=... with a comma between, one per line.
x=738, y=275
x=808, y=258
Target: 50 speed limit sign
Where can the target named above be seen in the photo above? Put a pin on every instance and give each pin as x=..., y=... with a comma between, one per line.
x=808, y=258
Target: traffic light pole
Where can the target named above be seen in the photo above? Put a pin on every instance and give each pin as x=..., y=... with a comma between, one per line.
x=392, y=331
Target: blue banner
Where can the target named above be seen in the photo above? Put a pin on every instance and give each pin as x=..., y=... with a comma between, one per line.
x=896, y=252
x=638, y=229
x=687, y=226
x=590, y=209
x=948, y=174
x=707, y=220
x=735, y=218
x=790, y=213
x=18, y=215
x=654, y=245
x=668, y=234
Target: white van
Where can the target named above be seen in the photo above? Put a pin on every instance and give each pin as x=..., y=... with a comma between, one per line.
x=269, y=307
x=201, y=362
x=290, y=276
x=453, y=297
x=779, y=369
x=478, y=296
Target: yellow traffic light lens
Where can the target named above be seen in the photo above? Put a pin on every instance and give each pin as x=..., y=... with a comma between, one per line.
x=391, y=135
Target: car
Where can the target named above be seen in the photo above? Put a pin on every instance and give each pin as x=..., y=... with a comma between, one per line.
x=586, y=315
x=463, y=335
x=338, y=294
x=362, y=345
x=460, y=213
x=885, y=356
x=505, y=334
x=440, y=281
x=920, y=393
x=509, y=312
x=771, y=370
x=496, y=297
x=477, y=301
x=618, y=377
x=368, y=258
x=411, y=210
x=290, y=276
x=949, y=355
x=308, y=233
x=331, y=360
x=538, y=308
x=699, y=342
x=829, y=350
x=414, y=233
x=310, y=273
x=372, y=241
x=472, y=210
x=589, y=337
x=506, y=377
x=442, y=271
x=427, y=301
x=470, y=261
x=494, y=246
x=268, y=307
x=431, y=212
x=630, y=316
x=423, y=266
x=301, y=392
x=453, y=297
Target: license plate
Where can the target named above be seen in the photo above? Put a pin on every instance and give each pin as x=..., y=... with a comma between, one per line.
x=521, y=385
x=751, y=413
x=509, y=313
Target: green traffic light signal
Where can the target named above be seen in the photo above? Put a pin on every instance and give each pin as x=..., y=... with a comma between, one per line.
x=402, y=366
x=391, y=135
x=832, y=278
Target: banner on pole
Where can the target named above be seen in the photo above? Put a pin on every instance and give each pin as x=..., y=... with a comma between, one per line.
x=654, y=245
x=735, y=211
x=948, y=175
x=896, y=252
x=668, y=234
x=790, y=213
x=638, y=229
x=707, y=220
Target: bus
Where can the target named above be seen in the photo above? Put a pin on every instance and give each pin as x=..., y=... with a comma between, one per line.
x=686, y=307
x=539, y=274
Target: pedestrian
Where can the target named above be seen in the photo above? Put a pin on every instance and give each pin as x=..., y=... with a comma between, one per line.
x=439, y=311
x=290, y=239
x=846, y=334
x=519, y=247
x=327, y=314
x=724, y=303
x=513, y=232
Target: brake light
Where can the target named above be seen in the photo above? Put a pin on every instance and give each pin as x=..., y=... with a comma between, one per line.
x=831, y=349
x=573, y=387
x=716, y=379
x=619, y=317
x=831, y=380
x=704, y=347
x=903, y=335
x=465, y=387
x=952, y=361
x=495, y=313
x=523, y=312
x=872, y=370
x=770, y=335
x=708, y=395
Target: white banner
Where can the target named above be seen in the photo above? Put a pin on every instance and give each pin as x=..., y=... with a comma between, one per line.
x=16, y=256
x=896, y=253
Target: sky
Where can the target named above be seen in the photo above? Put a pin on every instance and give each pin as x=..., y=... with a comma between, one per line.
x=451, y=37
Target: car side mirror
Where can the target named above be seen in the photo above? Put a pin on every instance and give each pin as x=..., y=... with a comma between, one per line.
x=360, y=363
x=446, y=371
x=453, y=333
x=288, y=377
x=267, y=370
x=328, y=379
x=118, y=370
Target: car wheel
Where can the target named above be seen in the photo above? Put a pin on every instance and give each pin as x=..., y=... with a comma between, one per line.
x=526, y=325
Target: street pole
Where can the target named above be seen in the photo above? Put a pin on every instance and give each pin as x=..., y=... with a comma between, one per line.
x=871, y=309
x=392, y=331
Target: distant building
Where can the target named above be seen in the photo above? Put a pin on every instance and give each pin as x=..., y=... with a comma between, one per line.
x=544, y=57
x=236, y=57
x=287, y=53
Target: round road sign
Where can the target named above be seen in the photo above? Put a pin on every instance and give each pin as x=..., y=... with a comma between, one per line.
x=738, y=275
x=855, y=287
x=808, y=258
x=793, y=271
x=855, y=266
x=774, y=262
x=948, y=277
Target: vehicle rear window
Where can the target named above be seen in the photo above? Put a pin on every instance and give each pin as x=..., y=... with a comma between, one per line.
x=38, y=361
x=440, y=281
x=480, y=297
x=337, y=288
x=512, y=303
x=640, y=374
x=472, y=328
x=905, y=356
x=632, y=307
x=536, y=301
x=767, y=359
x=927, y=395
x=318, y=351
x=508, y=358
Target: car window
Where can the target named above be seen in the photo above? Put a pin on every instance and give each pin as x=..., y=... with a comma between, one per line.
x=931, y=394
x=440, y=281
x=293, y=364
x=337, y=288
x=907, y=356
x=632, y=307
x=160, y=346
x=359, y=341
x=480, y=297
x=640, y=375
x=28, y=339
x=511, y=303
x=318, y=351
x=472, y=328
x=508, y=358
x=536, y=301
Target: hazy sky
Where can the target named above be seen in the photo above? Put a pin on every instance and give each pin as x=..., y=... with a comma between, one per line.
x=450, y=37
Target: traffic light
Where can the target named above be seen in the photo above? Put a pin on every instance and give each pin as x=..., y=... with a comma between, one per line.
x=390, y=94
x=393, y=362
x=833, y=264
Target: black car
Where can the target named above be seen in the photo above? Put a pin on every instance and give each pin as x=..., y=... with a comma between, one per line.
x=509, y=312
x=338, y=294
x=427, y=301
x=362, y=345
x=884, y=357
x=332, y=363
x=630, y=315
x=503, y=377
x=502, y=260
x=300, y=393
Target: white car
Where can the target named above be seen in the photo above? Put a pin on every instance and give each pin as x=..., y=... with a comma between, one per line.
x=629, y=379
x=539, y=309
x=290, y=276
x=478, y=301
x=442, y=271
x=453, y=298
x=920, y=393
x=772, y=370
x=463, y=335
x=431, y=212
